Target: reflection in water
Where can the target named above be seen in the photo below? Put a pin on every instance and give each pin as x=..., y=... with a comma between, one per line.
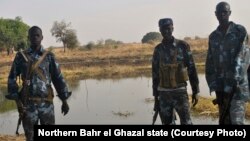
x=108, y=101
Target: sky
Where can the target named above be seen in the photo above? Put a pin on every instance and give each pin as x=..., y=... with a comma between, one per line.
x=123, y=20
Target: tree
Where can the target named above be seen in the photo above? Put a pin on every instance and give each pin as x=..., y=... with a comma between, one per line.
x=187, y=38
x=112, y=42
x=197, y=38
x=151, y=36
x=71, y=40
x=12, y=33
x=90, y=45
x=63, y=33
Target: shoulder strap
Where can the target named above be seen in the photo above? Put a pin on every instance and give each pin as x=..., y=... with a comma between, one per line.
x=24, y=56
x=39, y=61
x=36, y=69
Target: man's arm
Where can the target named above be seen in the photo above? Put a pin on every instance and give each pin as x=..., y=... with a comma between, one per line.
x=242, y=61
x=192, y=73
x=14, y=72
x=59, y=83
x=210, y=70
x=155, y=72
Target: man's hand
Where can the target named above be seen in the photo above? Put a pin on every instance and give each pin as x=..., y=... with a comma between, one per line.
x=194, y=99
x=13, y=96
x=65, y=107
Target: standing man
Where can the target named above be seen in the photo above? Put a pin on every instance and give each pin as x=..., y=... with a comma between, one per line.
x=37, y=69
x=226, y=67
x=172, y=66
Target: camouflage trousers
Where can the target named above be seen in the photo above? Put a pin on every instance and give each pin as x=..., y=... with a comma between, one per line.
x=175, y=100
x=35, y=113
x=231, y=111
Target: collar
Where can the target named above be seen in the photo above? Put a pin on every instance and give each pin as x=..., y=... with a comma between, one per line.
x=172, y=42
x=40, y=52
x=229, y=30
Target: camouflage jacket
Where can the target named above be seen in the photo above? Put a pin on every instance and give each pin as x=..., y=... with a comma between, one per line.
x=183, y=56
x=38, y=88
x=228, y=60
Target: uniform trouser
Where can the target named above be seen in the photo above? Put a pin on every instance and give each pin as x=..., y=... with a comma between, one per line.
x=231, y=111
x=174, y=100
x=43, y=112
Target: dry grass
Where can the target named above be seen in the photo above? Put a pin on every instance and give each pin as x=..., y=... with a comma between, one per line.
x=105, y=71
x=205, y=107
x=248, y=110
x=123, y=51
x=198, y=45
x=123, y=114
x=126, y=60
x=149, y=100
x=12, y=138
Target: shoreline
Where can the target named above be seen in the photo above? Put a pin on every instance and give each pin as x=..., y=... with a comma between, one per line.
x=133, y=60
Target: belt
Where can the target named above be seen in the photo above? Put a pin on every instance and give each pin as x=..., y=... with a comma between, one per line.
x=39, y=100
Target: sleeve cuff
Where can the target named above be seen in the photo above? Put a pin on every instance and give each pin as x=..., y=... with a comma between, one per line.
x=65, y=96
x=155, y=92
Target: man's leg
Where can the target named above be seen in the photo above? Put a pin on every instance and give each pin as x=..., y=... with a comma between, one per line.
x=46, y=113
x=237, y=112
x=224, y=104
x=182, y=107
x=29, y=120
x=166, y=108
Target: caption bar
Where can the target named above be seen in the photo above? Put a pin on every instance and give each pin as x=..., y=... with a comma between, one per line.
x=206, y=131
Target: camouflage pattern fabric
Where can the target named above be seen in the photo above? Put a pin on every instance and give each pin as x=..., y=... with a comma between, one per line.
x=177, y=100
x=227, y=64
x=184, y=56
x=231, y=111
x=42, y=112
x=237, y=114
x=38, y=88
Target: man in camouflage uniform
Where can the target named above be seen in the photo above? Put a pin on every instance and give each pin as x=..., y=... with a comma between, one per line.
x=226, y=67
x=172, y=66
x=36, y=95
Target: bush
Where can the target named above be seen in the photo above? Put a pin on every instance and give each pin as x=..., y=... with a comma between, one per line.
x=90, y=45
x=151, y=37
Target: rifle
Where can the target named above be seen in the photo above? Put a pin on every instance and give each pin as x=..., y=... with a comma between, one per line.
x=226, y=109
x=157, y=107
x=155, y=116
x=22, y=102
x=21, y=112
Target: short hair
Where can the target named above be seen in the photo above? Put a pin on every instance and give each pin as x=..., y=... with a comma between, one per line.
x=219, y=5
x=35, y=27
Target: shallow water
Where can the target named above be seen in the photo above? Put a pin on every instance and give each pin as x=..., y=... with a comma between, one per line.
x=123, y=101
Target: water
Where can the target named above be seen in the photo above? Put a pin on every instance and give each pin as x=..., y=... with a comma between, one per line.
x=107, y=101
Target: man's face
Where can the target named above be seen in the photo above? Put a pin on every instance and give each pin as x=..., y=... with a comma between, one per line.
x=166, y=31
x=35, y=37
x=222, y=13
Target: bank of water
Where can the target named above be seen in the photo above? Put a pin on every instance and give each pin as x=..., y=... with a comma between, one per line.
x=107, y=101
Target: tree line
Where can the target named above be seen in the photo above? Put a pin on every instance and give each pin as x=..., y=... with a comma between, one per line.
x=14, y=33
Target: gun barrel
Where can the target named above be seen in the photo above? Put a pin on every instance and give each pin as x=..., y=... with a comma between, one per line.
x=155, y=116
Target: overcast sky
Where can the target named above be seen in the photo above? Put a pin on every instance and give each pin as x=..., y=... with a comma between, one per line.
x=124, y=20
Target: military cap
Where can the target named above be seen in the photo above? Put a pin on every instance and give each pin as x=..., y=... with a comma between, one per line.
x=165, y=21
